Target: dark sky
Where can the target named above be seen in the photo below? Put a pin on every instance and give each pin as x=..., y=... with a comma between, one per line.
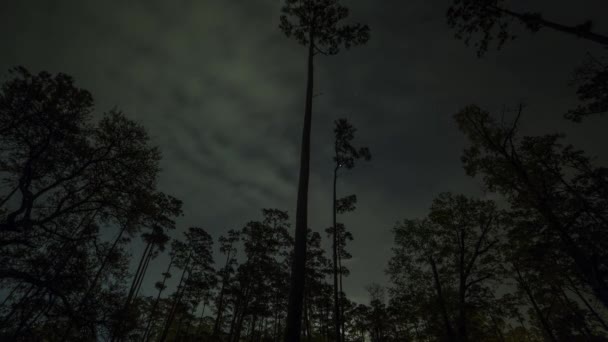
x=221, y=91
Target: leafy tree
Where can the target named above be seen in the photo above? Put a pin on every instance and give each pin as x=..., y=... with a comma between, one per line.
x=592, y=82
x=454, y=252
x=554, y=183
x=491, y=19
x=317, y=25
x=68, y=184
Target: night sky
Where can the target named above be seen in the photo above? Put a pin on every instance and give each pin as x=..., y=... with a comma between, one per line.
x=221, y=91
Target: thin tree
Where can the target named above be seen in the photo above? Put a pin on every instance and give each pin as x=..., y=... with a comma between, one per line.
x=316, y=25
x=226, y=247
x=345, y=155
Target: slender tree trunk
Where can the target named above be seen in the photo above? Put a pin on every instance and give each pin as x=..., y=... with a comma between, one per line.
x=539, y=313
x=10, y=295
x=136, y=277
x=235, y=314
x=254, y=321
x=444, y=313
x=143, y=273
x=191, y=317
x=220, y=301
x=180, y=321
x=462, y=319
x=87, y=294
x=155, y=305
x=276, y=328
x=200, y=321
x=239, y=326
x=180, y=291
x=242, y=312
x=298, y=269
x=307, y=317
x=337, y=334
x=264, y=330
x=343, y=336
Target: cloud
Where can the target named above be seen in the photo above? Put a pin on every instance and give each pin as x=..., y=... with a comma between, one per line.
x=221, y=91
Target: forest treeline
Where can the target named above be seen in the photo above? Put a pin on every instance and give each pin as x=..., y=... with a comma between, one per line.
x=79, y=191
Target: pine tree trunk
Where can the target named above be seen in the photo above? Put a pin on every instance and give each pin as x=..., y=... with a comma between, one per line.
x=307, y=318
x=337, y=334
x=136, y=278
x=143, y=273
x=235, y=314
x=176, y=302
x=200, y=323
x=220, y=301
x=343, y=336
x=298, y=270
x=153, y=310
x=462, y=315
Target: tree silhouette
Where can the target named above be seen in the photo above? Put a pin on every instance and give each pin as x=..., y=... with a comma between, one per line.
x=491, y=20
x=556, y=182
x=70, y=183
x=345, y=156
x=453, y=251
x=592, y=82
x=197, y=270
x=227, y=247
x=315, y=24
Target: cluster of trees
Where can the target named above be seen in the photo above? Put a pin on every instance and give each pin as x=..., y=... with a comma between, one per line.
x=77, y=193
x=532, y=268
x=531, y=265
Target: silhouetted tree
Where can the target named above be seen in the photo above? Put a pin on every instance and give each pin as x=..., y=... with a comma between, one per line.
x=345, y=156
x=265, y=245
x=315, y=24
x=197, y=272
x=69, y=185
x=228, y=248
x=555, y=183
x=454, y=251
x=491, y=19
x=592, y=82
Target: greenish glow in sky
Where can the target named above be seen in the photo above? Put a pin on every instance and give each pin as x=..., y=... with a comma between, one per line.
x=222, y=91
